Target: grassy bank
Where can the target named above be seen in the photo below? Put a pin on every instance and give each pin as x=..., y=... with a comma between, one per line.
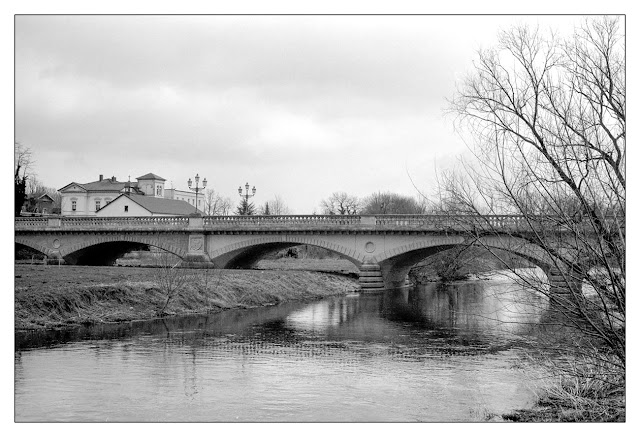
x=52, y=296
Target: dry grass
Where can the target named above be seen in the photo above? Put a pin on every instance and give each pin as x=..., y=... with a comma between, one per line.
x=588, y=389
x=51, y=296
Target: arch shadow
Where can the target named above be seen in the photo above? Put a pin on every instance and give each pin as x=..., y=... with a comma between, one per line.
x=247, y=253
x=106, y=250
x=395, y=266
x=26, y=251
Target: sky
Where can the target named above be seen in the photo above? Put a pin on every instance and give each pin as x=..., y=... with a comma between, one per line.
x=297, y=106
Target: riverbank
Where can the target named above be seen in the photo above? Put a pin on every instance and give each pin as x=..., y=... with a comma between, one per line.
x=58, y=296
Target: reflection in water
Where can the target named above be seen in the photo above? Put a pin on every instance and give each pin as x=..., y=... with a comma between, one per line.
x=434, y=353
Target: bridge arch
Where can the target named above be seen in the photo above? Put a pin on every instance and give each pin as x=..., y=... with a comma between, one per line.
x=50, y=253
x=396, y=263
x=114, y=246
x=244, y=253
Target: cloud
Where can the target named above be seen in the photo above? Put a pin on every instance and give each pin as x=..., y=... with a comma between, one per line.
x=329, y=102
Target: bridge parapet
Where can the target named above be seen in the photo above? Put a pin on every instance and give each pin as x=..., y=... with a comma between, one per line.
x=453, y=222
x=253, y=220
x=274, y=222
x=98, y=223
x=429, y=223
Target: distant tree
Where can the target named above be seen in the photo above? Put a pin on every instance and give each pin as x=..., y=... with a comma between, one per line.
x=265, y=209
x=245, y=207
x=23, y=159
x=19, y=194
x=215, y=204
x=35, y=189
x=277, y=206
x=341, y=203
x=392, y=203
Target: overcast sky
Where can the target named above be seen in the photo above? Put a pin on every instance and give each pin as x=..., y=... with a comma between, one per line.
x=299, y=106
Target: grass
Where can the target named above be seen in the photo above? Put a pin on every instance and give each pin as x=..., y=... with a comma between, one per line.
x=52, y=296
x=590, y=388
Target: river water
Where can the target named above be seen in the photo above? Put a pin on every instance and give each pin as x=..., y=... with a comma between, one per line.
x=432, y=353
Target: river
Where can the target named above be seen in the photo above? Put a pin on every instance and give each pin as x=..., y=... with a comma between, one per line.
x=431, y=353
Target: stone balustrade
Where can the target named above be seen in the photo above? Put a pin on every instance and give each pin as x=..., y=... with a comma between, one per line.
x=324, y=222
x=270, y=220
x=435, y=222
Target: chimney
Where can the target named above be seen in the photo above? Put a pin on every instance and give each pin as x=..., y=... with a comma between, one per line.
x=113, y=178
x=100, y=178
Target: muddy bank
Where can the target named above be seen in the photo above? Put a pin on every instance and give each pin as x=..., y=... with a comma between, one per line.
x=52, y=296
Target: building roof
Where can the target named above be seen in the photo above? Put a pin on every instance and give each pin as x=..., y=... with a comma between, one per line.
x=151, y=176
x=158, y=205
x=46, y=197
x=104, y=185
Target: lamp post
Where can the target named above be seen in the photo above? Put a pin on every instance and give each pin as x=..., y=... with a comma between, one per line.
x=246, y=195
x=197, y=189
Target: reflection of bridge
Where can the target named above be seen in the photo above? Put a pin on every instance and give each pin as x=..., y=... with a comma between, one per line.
x=384, y=247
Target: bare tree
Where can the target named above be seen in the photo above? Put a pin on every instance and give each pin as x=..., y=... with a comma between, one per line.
x=23, y=159
x=392, y=203
x=549, y=125
x=35, y=187
x=215, y=204
x=341, y=203
x=169, y=277
x=277, y=206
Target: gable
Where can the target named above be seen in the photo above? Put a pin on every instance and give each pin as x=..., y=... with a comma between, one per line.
x=115, y=208
x=45, y=198
x=73, y=187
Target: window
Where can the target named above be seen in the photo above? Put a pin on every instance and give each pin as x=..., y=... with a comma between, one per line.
x=97, y=205
x=73, y=205
x=126, y=208
x=159, y=190
x=107, y=200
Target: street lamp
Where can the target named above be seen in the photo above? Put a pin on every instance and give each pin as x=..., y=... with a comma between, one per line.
x=246, y=195
x=197, y=189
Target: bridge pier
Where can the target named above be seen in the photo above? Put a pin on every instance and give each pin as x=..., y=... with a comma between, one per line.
x=565, y=287
x=197, y=262
x=373, y=277
x=370, y=278
x=54, y=259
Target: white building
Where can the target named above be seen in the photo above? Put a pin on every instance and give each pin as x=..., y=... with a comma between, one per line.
x=84, y=200
x=187, y=196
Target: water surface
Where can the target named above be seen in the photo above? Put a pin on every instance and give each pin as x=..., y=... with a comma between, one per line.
x=434, y=353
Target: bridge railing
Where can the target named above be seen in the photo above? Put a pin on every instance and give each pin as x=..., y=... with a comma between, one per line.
x=425, y=222
x=279, y=220
x=434, y=222
x=30, y=223
x=93, y=223
x=442, y=221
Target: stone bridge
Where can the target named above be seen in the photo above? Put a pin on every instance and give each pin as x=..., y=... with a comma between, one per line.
x=383, y=247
